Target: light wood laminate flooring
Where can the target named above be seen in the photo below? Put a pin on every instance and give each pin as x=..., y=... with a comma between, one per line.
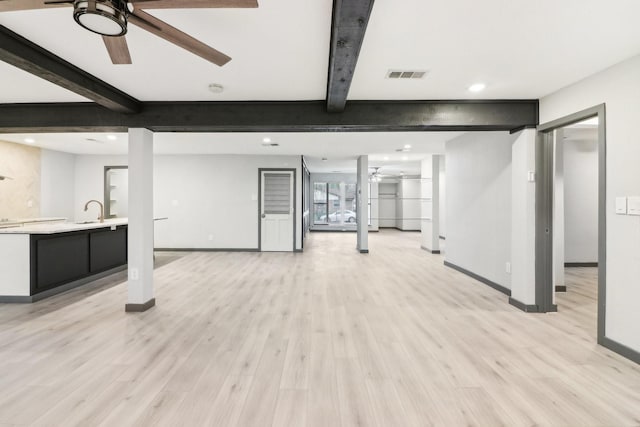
x=329, y=337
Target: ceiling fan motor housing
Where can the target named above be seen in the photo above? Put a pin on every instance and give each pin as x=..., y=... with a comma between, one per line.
x=105, y=17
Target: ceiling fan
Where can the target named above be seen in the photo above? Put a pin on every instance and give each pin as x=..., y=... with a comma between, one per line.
x=109, y=18
x=377, y=176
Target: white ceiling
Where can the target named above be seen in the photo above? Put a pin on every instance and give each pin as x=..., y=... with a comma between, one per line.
x=280, y=52
x=519, y=49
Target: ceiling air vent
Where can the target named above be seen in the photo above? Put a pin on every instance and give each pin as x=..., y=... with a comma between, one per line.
x=400, y=74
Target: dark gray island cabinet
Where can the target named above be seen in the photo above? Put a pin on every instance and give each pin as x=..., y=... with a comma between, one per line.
x=43, y=260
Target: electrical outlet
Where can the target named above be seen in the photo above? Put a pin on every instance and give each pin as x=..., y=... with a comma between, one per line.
x=507, y=267
x=30, y=203
x=134, y=274
x=210, y=237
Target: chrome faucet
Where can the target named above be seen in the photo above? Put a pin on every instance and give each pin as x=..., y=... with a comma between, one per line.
x=101, y=217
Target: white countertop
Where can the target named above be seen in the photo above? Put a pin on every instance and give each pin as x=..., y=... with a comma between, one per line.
x=20, y=221
x=61, y=227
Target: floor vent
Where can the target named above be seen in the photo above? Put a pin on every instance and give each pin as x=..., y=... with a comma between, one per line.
x=399, y=74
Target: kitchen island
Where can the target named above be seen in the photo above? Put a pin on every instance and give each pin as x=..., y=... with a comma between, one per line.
x=40, y=259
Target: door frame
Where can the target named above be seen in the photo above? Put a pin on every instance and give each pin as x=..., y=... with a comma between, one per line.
x=544, y=212
x=295, y=208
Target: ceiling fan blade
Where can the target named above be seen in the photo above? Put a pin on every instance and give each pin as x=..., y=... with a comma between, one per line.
x=190, y=4
x=118, y=49
x=177, y=37
x=15, y=5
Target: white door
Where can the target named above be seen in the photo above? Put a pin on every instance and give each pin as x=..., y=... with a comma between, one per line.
x=276, y=215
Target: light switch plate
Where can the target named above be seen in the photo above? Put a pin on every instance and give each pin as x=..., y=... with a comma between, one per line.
x=621, y=205
x=633, y=206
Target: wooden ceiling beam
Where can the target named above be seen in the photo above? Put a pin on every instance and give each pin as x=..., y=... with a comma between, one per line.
x=295, y=116
x=26, y=55
x=349, y=24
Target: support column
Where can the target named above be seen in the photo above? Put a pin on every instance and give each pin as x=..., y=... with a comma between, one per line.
x=362, y=204
x=430, y=204
x=140, y=243
x=523, y=221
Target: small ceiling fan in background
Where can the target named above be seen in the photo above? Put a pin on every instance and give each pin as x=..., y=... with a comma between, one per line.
x=377, y=175
x=109, y=18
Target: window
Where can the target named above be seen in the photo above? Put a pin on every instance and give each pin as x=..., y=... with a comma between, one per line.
x=320, y=203
x=334, y=203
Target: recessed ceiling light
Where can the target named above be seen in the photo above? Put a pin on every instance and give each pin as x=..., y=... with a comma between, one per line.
x=405, y=158
x=477, y=87
x=386, y=158
x=112, y=137
x=216, y=88
x=266, y=140
x=407, y=146
x=29, y=140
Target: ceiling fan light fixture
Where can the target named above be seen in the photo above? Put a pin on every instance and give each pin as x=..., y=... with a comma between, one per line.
x=105, y=17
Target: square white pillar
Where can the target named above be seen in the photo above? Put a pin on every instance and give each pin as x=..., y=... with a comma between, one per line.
x=430, y=204
x=363, y=204
x=523, y=221
x=140, y=239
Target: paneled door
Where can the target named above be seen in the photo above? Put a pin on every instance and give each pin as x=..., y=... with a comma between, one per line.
x=276, y=210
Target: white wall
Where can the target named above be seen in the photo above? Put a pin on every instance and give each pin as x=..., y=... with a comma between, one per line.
x=57, y=175
x=387, y=193
x=408, y=206
x=478, y=202
x=204, y=196
x=619, y=88
x=581, y=200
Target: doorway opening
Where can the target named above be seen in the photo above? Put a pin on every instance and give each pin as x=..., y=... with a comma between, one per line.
x=116, y=191
x=565, y=215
